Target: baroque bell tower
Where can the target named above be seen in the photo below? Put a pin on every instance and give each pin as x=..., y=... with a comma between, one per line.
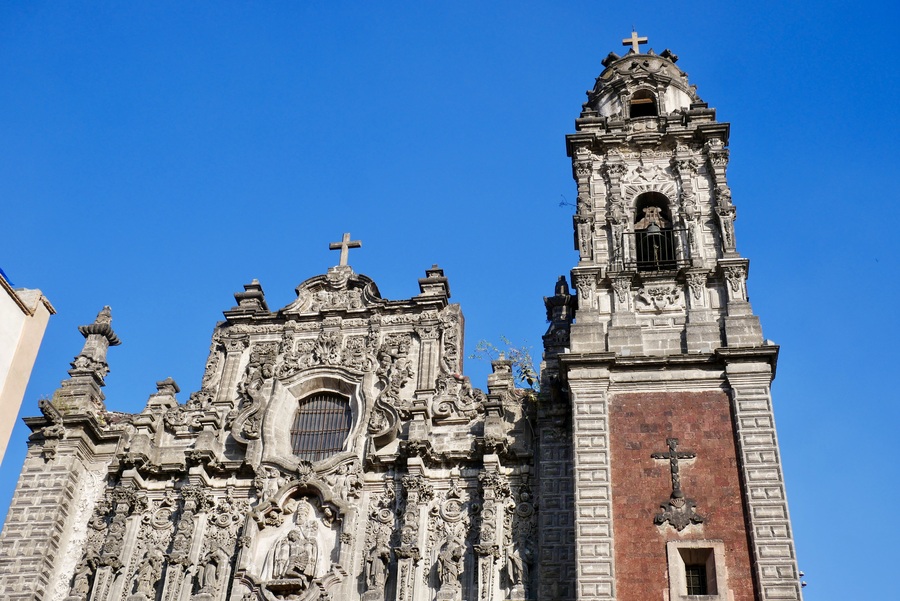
x=660, y=469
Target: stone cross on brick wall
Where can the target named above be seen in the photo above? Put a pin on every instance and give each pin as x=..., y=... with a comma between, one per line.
x=345, y=245
x=634, y=41
x=673, y=456
x=678, y=510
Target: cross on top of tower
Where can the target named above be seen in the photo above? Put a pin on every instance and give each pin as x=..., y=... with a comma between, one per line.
x=634, y=41
x=345, y=245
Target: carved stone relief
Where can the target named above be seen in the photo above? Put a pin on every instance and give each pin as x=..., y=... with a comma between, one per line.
x=584, y=284
x=448, y=542
x=211, y=374
x=736, y=277
x=291, y=557
x=259, y=370
x=660, y=298
x=327, y=349
x=380, y=538
x=455, y=401
x=450, y=351
x=394, y=371
x=696, y=284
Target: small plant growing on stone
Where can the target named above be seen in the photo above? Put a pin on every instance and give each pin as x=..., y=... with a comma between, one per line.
x=522, y=363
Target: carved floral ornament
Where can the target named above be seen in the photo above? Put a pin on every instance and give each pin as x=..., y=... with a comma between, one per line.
x=583, y=168
x=622, y=287
x=661, y=298
x=686, y=166
x=455, y=401
x=696, y=283
x=584, y=285
x=735, y=276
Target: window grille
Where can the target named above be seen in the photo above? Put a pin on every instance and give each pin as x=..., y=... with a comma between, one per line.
x=321, y=426
x=655, y=251
x=695, y=577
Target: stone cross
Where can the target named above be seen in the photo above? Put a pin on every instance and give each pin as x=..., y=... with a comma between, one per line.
x=673, y=456
x=345, y=245
x=634, y=41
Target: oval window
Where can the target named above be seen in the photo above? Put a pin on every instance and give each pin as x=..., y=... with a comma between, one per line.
x=321, y=426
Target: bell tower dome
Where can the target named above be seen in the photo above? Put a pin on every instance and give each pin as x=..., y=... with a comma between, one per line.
x=657, y=366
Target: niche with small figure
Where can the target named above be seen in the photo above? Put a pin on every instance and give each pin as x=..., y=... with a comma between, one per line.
x=653, y=232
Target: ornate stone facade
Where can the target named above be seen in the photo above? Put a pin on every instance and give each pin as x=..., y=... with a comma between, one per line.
x=217, y=498
x=334, y=450
x=658, y=347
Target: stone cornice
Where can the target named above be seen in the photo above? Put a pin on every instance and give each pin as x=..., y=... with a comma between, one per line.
x=718, y=359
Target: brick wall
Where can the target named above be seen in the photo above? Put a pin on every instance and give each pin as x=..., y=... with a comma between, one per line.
x=701, y=421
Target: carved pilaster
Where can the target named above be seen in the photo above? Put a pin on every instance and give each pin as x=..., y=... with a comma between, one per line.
x=772, y=541
x=490, y=537
x=617, y=215
x=417, y=493
x=624, y=332
x=234, y=349
x=742, y=327
x=686, y=169
x=429, y=334
x=594, y=543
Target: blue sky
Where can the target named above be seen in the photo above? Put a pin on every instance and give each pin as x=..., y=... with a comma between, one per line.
x=157, y=156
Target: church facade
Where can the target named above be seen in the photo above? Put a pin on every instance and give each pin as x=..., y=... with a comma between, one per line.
x=335, y=451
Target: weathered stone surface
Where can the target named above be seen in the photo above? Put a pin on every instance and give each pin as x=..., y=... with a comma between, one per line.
x=335, y=450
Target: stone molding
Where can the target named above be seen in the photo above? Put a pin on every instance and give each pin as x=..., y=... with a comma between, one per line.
x=772, y=542
x=593, y=492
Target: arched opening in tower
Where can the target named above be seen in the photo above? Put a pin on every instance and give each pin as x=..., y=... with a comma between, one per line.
x=643, y=104
x=653, y=233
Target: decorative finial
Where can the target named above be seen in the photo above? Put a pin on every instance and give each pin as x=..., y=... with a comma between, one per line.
x=80, y=392
x=634, y=41
x=102, y=326
x=345, y=245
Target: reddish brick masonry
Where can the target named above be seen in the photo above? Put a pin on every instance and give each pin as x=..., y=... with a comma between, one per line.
x=640, y=423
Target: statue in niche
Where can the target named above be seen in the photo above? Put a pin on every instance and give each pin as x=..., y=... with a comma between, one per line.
x=518, y=560
x=214, y=568
x=149, y=573
x=81, y=579
x=450, y=565
x=377, y=565
x=295, y=557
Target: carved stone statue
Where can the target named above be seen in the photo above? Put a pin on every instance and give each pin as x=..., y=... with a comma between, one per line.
x=295, y=557
x=449, y=565
x=213, y=570
x=81, y=580
x=345, y=482
x=518, y=560
x=377, y=565
x=149, y=573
